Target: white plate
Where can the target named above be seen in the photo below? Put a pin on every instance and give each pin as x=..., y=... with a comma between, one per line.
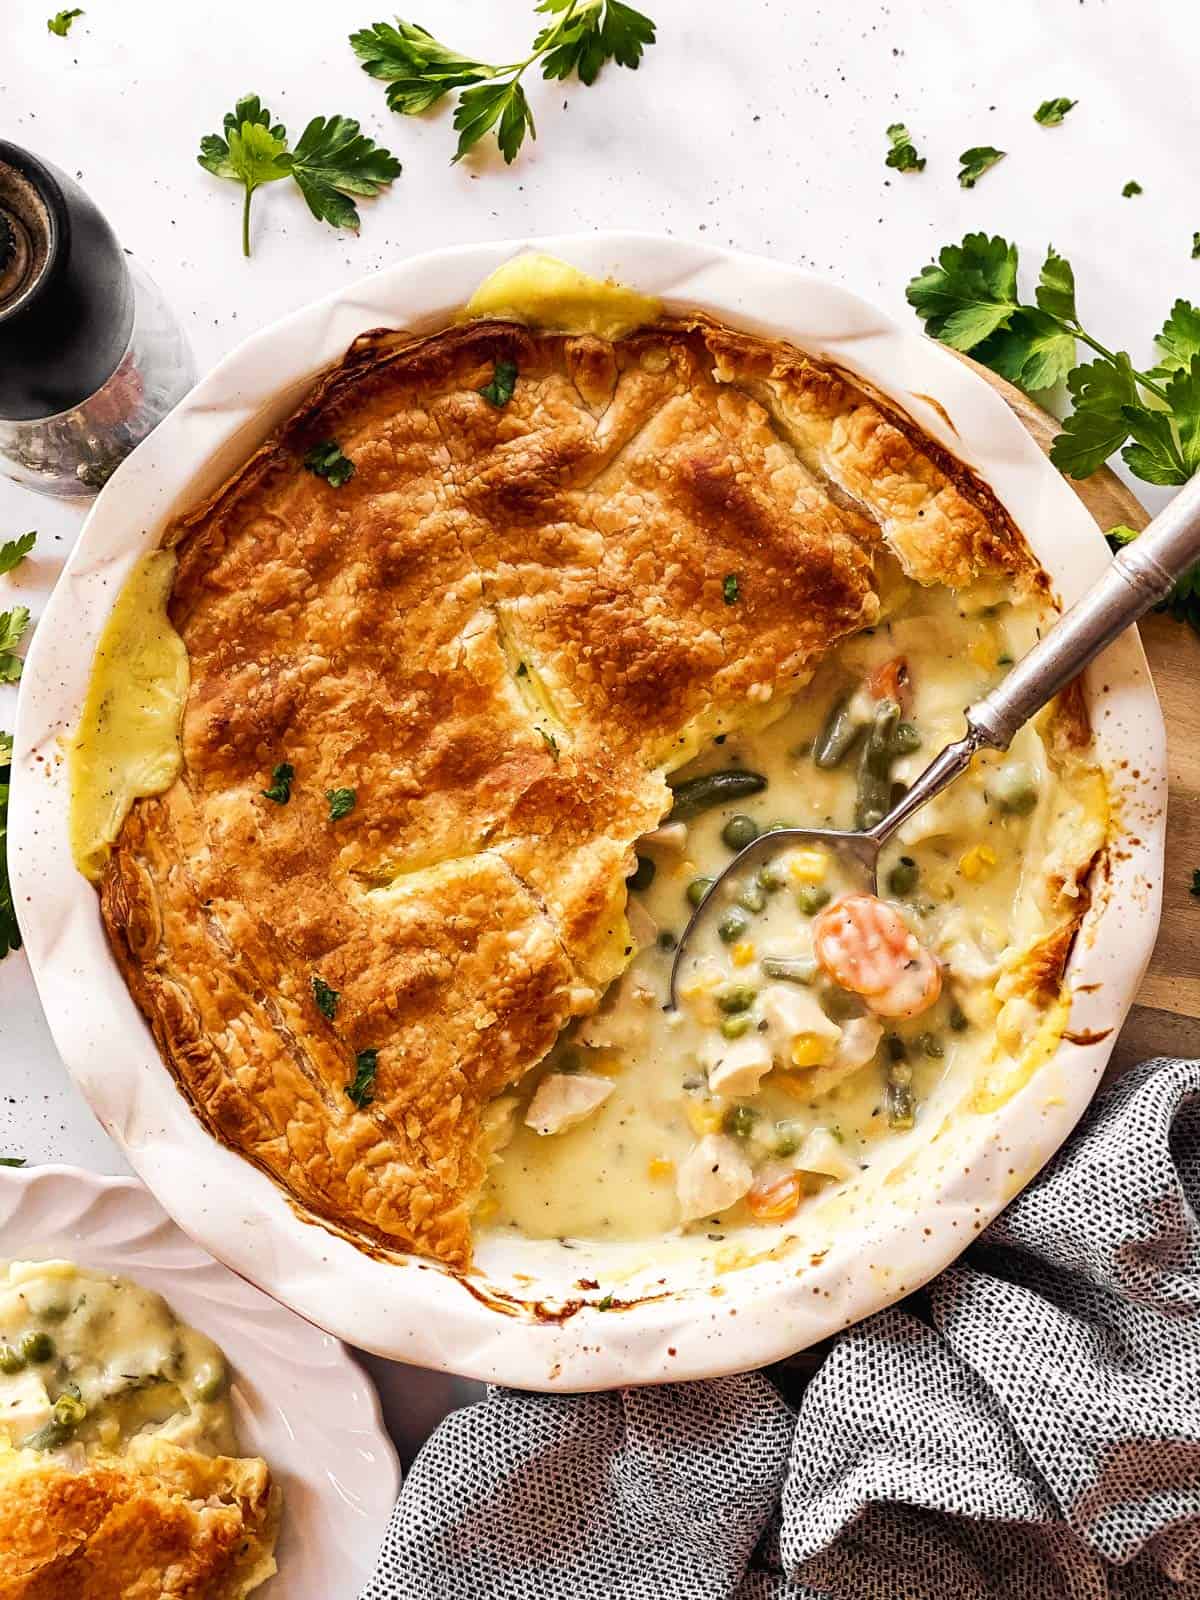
x=520, y=1319
x=299, y=1399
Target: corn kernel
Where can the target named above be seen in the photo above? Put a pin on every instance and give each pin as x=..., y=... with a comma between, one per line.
x=982, y=651
x=485, y=1209
x=977, y=862
x=659, y=1167
x=743, y=953
x=704, y=1117
x=808, y=866
x=809, y=1050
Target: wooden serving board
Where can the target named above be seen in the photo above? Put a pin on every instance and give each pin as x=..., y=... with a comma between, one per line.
x=1166, y=1017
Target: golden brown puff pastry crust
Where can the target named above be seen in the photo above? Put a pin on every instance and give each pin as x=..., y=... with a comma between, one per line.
x=502, y=632
x=161, y=1523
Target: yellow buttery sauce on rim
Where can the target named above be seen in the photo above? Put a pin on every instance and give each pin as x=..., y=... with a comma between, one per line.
x=127, y=742
x=974, y=876
x=549, y=293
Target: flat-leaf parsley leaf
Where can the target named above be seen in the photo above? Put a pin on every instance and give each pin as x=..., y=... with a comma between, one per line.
x=1051, y=112
x=361, y=1088
x=325, y=998
x=14, y=551
x=980, y=158
x=281, y=784
x=341, y=803
x=12, y=630
x=903, y=154
x=60, y=22
x=504, y=381
x=419, y=70
x=1131, y=188
x=328, y=462
x=731, y=588
x=332, y=162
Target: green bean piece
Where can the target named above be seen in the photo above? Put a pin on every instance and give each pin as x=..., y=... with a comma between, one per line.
x=810, y=897
x=49, y=1436
x=733, y=925
x=931, y=1046
x=696, y=795
x=643, y=874
x=739, y=831
x=906, y=739
x=792, y=969
x=740, y=1120
x=37, y=1346
x=769, y=878
x=875, y=767
x=209, y=1380
x=958, y=1019
x=838, y=736
x=736, y=997
x=666, y=939
x=788, y=1137
x=697, y=889
x=752, y=897
x=902, y=879
x=901, y=1104
x=1014, y=788
x=736, y=1027
x=11, y=1360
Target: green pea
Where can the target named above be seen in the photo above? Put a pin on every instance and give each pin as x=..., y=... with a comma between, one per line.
x=736, y=997
x=209, y=1380
x=902, y=879
x=740, y=1120
x=736, y=1027
x=667, y=940
x=11, y=1360
x=931, y=1046
x=69, y=1408
x=752, y=897
x=769, y=878
x=37, y=1346
x=958, y=1019
x=810, y=897
x=643, y=874
x=697, y=889
x=1014, y=788
x=788, y=1137
x=733, y=925
x=739, y=831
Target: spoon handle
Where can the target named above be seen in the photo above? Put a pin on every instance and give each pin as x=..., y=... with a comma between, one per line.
x=1142, y=575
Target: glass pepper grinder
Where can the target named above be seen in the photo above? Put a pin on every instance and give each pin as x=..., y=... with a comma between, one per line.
x=91, y=357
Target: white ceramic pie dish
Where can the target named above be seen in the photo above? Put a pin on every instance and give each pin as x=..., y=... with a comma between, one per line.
x=299, y=1399
x=519, y=1318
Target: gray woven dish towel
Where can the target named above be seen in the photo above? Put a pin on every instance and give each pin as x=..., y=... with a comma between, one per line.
x=1028, y=1428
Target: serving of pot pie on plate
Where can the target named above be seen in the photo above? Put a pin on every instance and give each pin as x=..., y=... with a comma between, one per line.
x=481, y=666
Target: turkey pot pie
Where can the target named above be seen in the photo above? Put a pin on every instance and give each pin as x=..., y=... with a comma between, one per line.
x=492, y=608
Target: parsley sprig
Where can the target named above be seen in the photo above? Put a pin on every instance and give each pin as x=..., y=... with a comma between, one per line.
x=331, y=164
x=903, y=155
x=60, y=22
x=969, y=299
x=419, y=70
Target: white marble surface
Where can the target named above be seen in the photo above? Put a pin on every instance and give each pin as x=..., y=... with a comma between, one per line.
x=754, y=123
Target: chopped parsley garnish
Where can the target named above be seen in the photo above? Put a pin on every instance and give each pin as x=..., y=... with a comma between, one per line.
x=14, y=551
x=976, y=161
x=12, y=630
x=606, y=1303
x=903, y=154
x=281, y=784
x=341, y=803
x=332, y=163
x=969, y=299
x=1195, y=889
x=326, y=999
x=550, y=742
x=504, y=380
x=12, y=1161
x=1051, y=112
x=327, y=461
x=1131, y=188
x=731, y=588
x=1196, y=247
x=522, y=670
x=60, y=22
x=419, y=70
x=10, y=933
x=361, y=1089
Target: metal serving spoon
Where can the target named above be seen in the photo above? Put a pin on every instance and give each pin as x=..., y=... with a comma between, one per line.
x=1142, y=575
